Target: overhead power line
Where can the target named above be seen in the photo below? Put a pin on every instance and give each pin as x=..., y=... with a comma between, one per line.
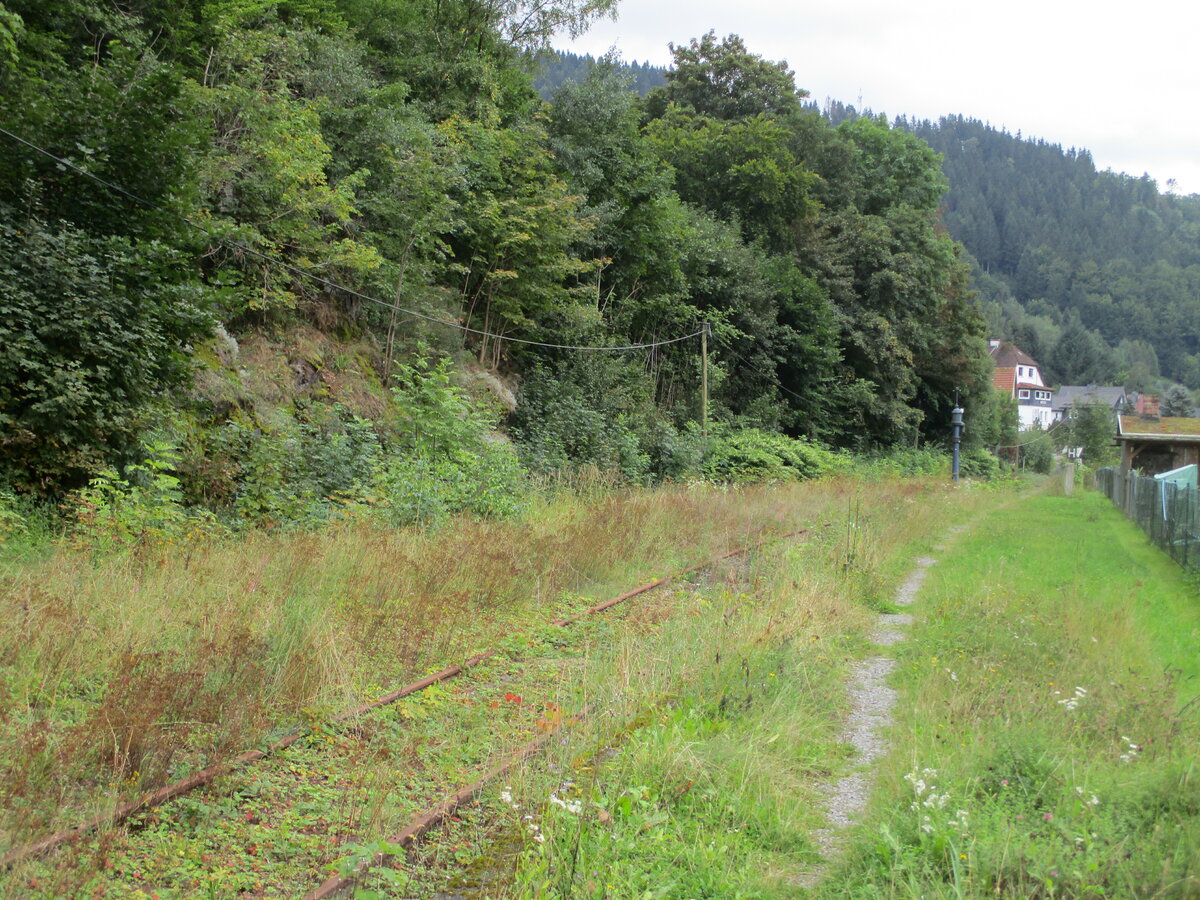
x=325, y=282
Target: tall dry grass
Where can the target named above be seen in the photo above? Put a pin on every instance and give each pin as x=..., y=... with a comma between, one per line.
x=120, y=673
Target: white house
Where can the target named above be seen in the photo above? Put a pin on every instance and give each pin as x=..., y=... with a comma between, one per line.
x=1017, y=375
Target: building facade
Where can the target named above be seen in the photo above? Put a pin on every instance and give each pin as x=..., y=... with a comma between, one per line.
x=1018, y=375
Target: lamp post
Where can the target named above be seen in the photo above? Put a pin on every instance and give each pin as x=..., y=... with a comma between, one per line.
x=956, y=430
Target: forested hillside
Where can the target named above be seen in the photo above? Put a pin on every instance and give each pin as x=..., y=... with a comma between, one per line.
x=271, y=256
x=1096, y=274
x=557, y=68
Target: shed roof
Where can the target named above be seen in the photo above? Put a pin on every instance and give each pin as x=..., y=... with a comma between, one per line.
x=1166, y=429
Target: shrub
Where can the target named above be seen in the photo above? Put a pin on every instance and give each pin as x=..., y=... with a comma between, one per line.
x=676, y=453
x=12, y=520
x=488, y=481
x=1037, y=451
x=561, y=425
x=445, y=457
x=93, y=329
x=907, y=462
x=979, y=463
x=143, y=507
x=750, y=454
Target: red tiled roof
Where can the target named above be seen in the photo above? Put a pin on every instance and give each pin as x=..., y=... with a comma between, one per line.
x=1004, y=378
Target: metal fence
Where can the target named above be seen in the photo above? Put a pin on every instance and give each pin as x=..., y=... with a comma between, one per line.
x=1165, y=511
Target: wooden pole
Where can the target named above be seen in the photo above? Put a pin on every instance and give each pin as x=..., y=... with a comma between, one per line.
x=704, y=380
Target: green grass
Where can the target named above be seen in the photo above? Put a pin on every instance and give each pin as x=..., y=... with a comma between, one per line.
x=1048, y=712
x=1003, y=778
x=736, y=711
x=195, y=652
x=716, y=705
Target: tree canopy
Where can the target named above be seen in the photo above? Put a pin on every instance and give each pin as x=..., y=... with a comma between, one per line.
x=384, y=169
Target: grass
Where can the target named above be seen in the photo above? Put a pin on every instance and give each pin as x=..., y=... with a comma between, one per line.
x=125, y=671
x=1047, y=743
x=119, y=673
x=736, y=707
x=1046, y=726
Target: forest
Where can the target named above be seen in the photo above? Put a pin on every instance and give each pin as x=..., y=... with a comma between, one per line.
x=264, y=260
x=556, y=68
x=1092, y=271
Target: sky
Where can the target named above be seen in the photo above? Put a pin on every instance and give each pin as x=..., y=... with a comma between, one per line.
x=1121, y=80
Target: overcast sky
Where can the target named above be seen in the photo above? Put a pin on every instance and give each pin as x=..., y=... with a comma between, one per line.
x=1122, y=80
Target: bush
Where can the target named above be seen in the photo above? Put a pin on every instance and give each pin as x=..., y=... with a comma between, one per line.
x=445, y=457
x=907, y=462
x=486, y=482
x=1037, y=451
x=12, y=520
x=562, y=426
x=979, y=464
x=93, y=330
x=676, y=453
x=751, y=454
x=144, y=507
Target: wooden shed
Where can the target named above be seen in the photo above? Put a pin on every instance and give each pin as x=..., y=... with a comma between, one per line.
x=1155, y=445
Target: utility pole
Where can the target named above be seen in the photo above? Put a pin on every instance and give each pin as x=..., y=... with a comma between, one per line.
x=704, y=380
x=956, y=430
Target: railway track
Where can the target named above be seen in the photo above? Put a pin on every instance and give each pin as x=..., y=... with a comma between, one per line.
x=420, y=823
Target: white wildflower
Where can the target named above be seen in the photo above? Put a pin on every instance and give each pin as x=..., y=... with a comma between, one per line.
x=571, y=806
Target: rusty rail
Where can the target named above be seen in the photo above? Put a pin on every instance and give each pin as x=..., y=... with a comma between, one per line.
x=210, y=773
x=433, y=817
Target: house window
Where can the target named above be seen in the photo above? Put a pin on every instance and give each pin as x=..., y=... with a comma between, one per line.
x=1022, y=394
x=1043, y=395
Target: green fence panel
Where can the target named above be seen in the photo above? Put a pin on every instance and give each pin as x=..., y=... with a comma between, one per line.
x=1166, y=511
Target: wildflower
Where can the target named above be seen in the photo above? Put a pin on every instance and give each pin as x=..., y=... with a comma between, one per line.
x=1047, y=817
x=1074, y=700
x=1131, y=750
x=571, y=806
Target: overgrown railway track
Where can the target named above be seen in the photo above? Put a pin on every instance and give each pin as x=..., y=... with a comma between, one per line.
x=420, y=823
